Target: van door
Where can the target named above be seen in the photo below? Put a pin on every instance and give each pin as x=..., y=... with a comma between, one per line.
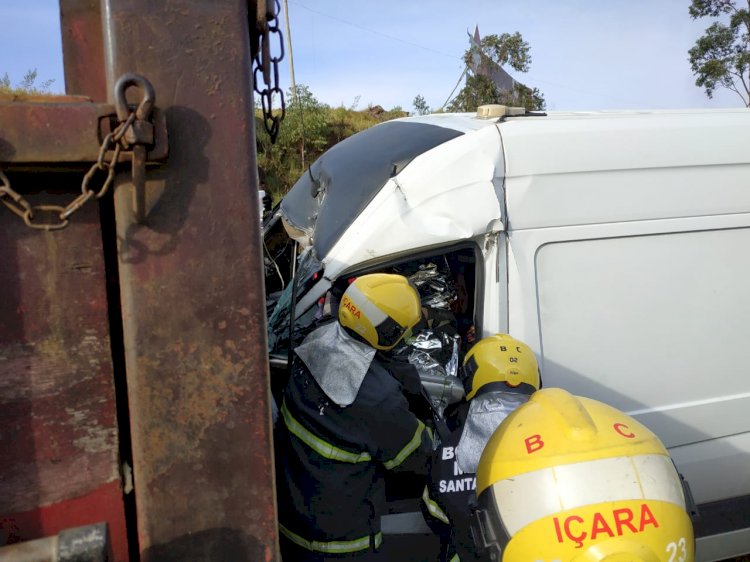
x=651, y=318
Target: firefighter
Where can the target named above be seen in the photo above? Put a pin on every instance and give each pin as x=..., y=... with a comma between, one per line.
x=344, y=423
x=571, y=479
x=500, y=373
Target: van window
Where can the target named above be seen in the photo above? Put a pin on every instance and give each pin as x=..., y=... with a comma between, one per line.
x=447, y=286
x=447, y=283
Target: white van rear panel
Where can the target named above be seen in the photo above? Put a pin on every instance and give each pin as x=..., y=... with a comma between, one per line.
x=629, y=274
x=655, y=324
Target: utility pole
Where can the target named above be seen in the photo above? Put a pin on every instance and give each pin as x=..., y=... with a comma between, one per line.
x=289, y=48
x=295, y=97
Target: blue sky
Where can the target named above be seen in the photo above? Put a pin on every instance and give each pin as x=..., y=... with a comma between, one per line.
x=586, y=54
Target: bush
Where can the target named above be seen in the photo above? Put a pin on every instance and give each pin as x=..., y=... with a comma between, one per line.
x=26, y=86
x=308, y=130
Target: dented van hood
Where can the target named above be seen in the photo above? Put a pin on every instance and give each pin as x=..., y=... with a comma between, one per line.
x=401, y=185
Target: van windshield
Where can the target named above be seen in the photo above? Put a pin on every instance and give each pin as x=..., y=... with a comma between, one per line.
x=340, y=184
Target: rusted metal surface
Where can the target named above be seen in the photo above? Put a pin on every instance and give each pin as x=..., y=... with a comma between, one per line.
x=62, y=131
x=104, y=501
x=83, y=51
x=58, y=431
x=192, y=293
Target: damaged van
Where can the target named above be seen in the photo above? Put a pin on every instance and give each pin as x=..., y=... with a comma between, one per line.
x=614, y=243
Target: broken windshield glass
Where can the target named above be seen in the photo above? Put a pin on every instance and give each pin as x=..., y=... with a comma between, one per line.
x=308, y=273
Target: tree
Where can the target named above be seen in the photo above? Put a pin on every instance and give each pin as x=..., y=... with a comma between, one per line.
x=420, y=105
x=504, y=49
x=720, y=58
x=309, y=129
x=26, y=86
x=497, y=51
x=303, y=136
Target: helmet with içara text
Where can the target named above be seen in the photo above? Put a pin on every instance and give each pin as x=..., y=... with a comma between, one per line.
x=572, y=479
x=381, y=308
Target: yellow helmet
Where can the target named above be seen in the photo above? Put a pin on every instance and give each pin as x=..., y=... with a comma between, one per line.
x=381, y=308
x=571, y=479
x=500, y=358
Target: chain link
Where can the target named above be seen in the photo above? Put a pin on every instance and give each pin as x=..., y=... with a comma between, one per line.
x=268, y=66
x=60, y=214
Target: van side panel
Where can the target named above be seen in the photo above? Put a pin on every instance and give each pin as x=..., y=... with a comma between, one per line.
x=586, y=197
x=655, y=323
x=610, y=168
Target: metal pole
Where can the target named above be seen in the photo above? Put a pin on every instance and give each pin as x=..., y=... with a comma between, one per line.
x=291, y=55
x=295, y=97
x=192, y=288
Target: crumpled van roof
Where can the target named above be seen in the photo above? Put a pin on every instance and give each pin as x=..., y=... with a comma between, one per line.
x=422, y=181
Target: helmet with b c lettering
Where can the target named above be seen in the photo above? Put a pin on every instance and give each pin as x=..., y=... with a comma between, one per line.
x=572, y=479
x=381, y=308
x=500, y=359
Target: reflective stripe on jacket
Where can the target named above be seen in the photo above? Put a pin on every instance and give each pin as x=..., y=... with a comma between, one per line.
x=445, y=500
x=331, y=460
x=333, y=547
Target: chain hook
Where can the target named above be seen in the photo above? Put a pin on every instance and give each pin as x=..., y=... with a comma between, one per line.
x=134, y=132
x=266, y=66
x=143, y=112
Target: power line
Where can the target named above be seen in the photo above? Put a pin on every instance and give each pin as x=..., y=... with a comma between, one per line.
x=576, y=90
x=450, y=96
x=374, y=32
x=400, y=40
x=291, y=55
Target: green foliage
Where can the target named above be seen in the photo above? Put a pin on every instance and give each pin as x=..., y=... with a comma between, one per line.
x=307, y=131
x=709, y=8
x=530, y=98
x=301, y=136
x=506, y=49
x=720, y=58
x=26, y=86
x=420, y=105
x=480, y=90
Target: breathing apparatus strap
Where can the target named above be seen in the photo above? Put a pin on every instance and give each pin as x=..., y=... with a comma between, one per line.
x=440, y=426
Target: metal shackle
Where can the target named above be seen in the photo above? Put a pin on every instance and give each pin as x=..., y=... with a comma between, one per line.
x=147, y=101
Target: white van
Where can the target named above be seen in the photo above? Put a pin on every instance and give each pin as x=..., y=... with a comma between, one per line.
x=616, y=244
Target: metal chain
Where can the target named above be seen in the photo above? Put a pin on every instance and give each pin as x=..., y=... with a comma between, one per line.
x=30, y=213
x=268, y=66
